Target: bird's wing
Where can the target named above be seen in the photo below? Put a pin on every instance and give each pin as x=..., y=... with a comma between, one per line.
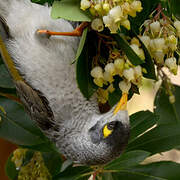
x=35, y=103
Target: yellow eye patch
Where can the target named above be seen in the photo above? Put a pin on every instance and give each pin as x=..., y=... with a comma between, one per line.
x=106, y=131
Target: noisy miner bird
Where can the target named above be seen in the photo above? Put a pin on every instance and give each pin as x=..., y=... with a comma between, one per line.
x=45, y=81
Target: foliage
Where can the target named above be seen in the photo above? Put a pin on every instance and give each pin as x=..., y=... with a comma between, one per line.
x=151, y=132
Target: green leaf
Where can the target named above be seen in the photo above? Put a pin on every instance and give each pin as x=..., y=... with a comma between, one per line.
x=141, y=122
x=124, y=45
x=175, y=8
x=53, y=162
x=168, y=113
x=17, y=127
x=72, y=173
x=83, y=68
x=70, y=10
x=155, y=171
x=127, y=159
x=149, y=64
x=81, y=44
x=158, y=139
x=10, y=169
x=5, y=79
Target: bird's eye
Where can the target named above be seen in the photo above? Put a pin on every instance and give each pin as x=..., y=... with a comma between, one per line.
x=108, y=129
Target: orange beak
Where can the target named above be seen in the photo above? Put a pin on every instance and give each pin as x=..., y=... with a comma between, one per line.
x=122, y=104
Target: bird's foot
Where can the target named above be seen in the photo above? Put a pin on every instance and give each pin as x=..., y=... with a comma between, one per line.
x=122, y=104
x=77, y=32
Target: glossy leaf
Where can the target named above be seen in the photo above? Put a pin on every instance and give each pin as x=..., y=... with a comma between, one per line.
x=154, y=171
x=10, y=168
x=83, y=68
x=141, y=122
x=81, y=44
x=149, y=64
x=124, y=45
x=175, y=8
x=73, y=173
x=53, y=162
x=70, y=10
x=158, y=139
x=5, y=79
x=168, y=113
x=17, y=127
x=127, y=159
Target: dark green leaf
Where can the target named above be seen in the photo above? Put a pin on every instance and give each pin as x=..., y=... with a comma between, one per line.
x=72, y=173
x=83, y=68
x=124, y=45
x=17, y=127
x=175, y=8
x=53, y=162
x=10, y=168
x=70, y=10
x=168, y=113
x=159, y=139
x=141, y=122
x=154, y=171
x=127, y=159
x=81, y=44
x=5, y=79
x=149, y=64
x=107, y=176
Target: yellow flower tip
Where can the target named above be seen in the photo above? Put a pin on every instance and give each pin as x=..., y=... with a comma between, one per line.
x=122, y=104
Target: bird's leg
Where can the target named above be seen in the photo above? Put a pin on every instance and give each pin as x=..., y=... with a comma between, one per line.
x=77, y=32
x=122, y=104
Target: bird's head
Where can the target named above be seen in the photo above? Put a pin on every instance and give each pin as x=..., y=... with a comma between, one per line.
x=103, y=139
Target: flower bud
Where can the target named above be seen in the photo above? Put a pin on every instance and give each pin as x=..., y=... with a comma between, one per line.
x=134, y=40
x=145, y=40
x=107, y=20
x=171, y=64
x=129, y=74
x=98, y=8
x=97, y=72
x=159, y=57
x=124, y=86
x=172, y=42
x=155, y=27
x=98, y=81
x=172, y=99
x=157, y=44
x=110, y=69
x=97, y=25
x=136, y=6
x=137, y=71
x=106, y=7
x=125, y=8
x=85, y=4
x=116, y=13
x=119, y=64
x=126, y=24
x=177, y=25
x=108, y=77
x=111, y=88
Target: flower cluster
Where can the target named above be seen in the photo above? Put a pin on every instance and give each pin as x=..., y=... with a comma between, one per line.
x=122, y=67
x=111, y=13
x=35, y=169
x=161, y=39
